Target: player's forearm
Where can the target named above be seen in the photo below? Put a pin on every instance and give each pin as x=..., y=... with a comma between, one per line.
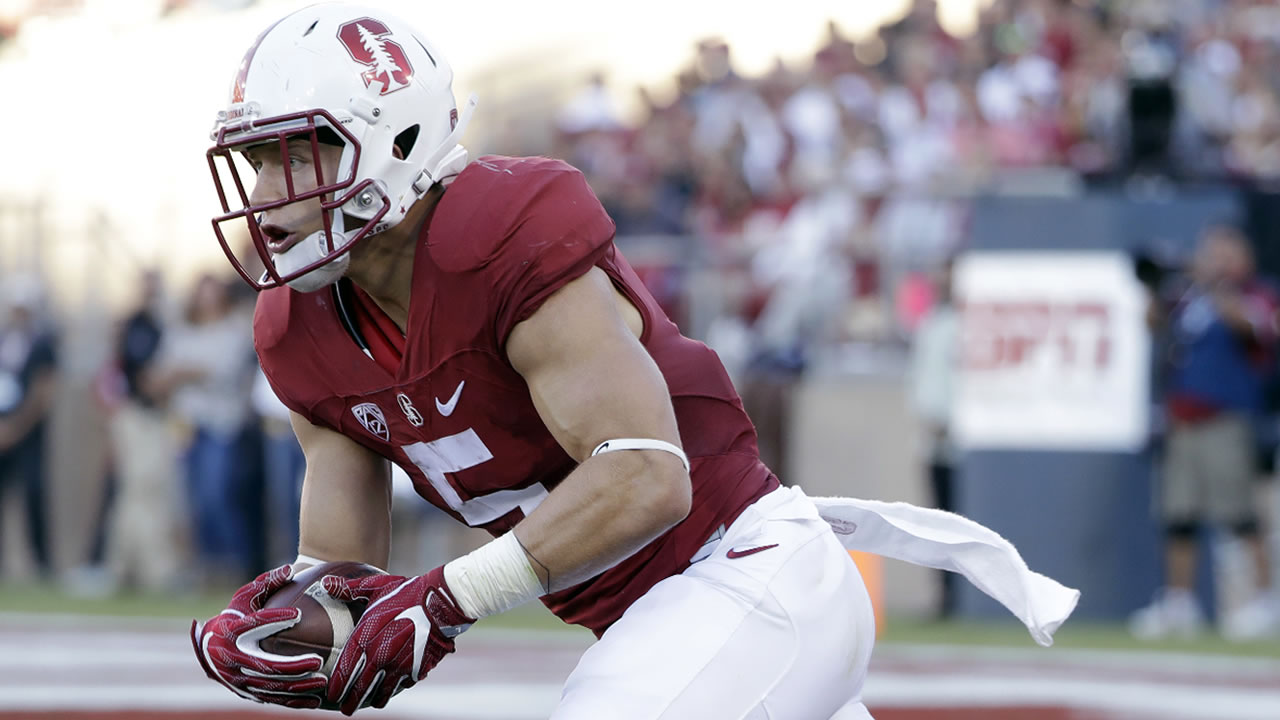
x=608, y=508
x=346, y=498
x=351, y=523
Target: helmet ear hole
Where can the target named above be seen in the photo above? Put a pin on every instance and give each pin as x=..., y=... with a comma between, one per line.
x=404, y=142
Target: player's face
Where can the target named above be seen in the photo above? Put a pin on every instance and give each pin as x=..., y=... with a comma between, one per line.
x=284, y=226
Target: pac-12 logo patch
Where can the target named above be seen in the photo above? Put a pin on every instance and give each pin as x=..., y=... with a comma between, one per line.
x=371, y=417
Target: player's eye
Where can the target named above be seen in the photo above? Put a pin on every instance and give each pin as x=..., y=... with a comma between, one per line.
x=253, y=161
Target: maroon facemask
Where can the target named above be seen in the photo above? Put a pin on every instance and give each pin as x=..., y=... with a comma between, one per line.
x=304, y=125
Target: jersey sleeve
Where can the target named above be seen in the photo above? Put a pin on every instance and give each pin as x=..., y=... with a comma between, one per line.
x=558, y=242
x=550, y=229
x=270, y=319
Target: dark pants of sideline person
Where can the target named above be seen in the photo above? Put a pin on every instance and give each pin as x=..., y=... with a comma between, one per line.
x=940, y=480
x=24, y=464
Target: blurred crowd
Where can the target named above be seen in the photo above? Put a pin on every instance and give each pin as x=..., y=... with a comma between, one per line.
x=202, y=471
x=180, y=391
x=185, y=400
x=1103, y=88
x=823, y=188
x=201, y=474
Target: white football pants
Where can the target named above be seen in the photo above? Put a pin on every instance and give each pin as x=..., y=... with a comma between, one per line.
x=783, y=633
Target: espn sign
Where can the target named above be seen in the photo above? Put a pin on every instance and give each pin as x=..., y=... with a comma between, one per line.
x=1075, y=337
x=1053, y=352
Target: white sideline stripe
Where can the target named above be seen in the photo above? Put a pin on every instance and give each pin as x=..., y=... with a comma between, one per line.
x=518, y=701
x=20, y=657
x=1127, y=660
x=123, y=651
x=26, y=651
x=479, y=701
x=1168, y=700
x=73, y=633
x=67, y=621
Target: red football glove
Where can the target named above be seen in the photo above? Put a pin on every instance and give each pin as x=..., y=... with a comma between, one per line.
x=406, y=631
x=227, y=648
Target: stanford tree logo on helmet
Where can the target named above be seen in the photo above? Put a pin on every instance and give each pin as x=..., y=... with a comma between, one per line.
x=324, y=76
x=366, y=40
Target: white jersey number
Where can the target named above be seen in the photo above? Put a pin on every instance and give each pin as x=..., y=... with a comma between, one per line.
x=460, y=452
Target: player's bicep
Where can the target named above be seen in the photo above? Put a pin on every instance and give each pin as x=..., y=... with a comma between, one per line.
x=346, y=498
x=590, y=378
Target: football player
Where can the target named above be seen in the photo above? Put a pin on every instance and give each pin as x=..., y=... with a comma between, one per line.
x=473, y=323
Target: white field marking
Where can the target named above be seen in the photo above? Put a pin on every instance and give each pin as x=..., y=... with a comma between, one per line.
x=101, y=656
x=479, y=701
x=1183, y=701
x=45, y=625
x=942, y=678
x=1123, y=660
x=67, y=621
x=517, y=701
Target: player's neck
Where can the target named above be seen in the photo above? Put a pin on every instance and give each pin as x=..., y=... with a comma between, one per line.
x=383, y=264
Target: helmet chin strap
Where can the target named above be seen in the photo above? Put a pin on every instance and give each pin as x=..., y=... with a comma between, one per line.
x=449, y=158
x=311, y=249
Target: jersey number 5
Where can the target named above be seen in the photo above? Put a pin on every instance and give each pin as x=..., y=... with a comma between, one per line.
x=464, y=450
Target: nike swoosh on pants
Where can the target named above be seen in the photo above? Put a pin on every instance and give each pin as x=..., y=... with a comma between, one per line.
x=735, y=553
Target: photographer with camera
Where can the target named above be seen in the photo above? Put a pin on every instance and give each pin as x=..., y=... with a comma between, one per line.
x=1220, y=334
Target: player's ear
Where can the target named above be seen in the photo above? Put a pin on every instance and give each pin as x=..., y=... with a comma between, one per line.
x=404, y=142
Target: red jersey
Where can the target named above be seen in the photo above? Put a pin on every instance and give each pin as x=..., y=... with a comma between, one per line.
x=458, y=418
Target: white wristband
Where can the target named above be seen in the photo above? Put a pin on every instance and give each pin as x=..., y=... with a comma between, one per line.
x=305, y=561
x=493, y=579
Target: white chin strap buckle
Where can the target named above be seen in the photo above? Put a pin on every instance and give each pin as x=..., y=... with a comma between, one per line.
x=311, y=249
x=641, y=444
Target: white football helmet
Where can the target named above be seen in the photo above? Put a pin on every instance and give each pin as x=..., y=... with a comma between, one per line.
x=338, y=74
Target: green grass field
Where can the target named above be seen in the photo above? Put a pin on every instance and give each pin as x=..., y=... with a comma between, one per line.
x=28, y=598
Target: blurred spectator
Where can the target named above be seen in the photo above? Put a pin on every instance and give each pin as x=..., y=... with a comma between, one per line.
x=812, y=118
x=283, y=465
x=28, y=372
x=1102, y=89
x=143, y=536
x=213, y=342
x=918, y=115
x=1221, y=337
x=591, y=109
x=1021, y=84
x=920, y=23
x=931, y=383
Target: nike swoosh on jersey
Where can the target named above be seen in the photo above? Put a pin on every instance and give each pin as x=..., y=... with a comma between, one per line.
x=446, y=409
x=735, y=553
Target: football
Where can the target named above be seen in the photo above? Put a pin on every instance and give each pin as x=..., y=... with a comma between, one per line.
x=326, y=622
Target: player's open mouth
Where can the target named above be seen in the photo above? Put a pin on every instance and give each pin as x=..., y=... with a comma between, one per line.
x=279, y=239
